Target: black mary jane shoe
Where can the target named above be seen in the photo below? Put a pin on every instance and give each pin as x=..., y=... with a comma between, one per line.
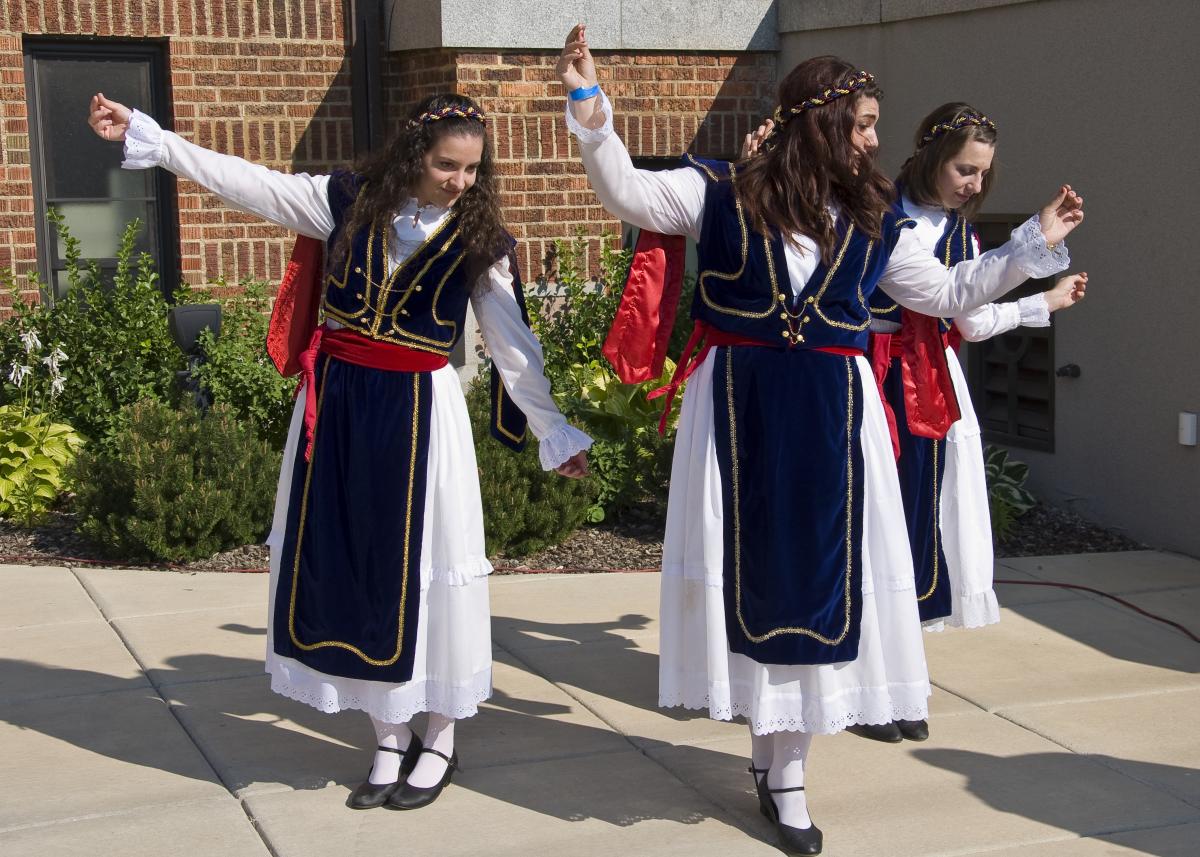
x=796, y=840
x=889, y=733
x=370, y=795
x=413, y=797
x=765, y=805
x=913, y=730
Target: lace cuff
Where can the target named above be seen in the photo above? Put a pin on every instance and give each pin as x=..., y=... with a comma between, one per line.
x=566, y=440
x=1034, y=311
x=143, y=143
x=592, y=136
x=1033, y=256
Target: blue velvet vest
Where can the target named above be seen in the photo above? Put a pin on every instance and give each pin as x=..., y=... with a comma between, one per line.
x=421, y=305
x=786, y=422
x=743, y=287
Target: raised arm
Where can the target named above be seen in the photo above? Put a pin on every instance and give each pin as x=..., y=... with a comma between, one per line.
x=915, y=279
x=518, y=355
x=298, y=202
x=669, y=201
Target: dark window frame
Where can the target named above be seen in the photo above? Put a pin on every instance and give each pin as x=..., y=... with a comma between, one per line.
x=156, y=54
x=1008, y=350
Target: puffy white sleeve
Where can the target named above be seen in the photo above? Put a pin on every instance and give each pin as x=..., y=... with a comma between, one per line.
x=299, y=202
x=670, y=202
x=915, y=279
x=994, y=319
x=518, y=355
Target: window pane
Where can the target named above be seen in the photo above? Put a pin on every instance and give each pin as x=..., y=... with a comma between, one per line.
x=77, y=163
x=98, y=226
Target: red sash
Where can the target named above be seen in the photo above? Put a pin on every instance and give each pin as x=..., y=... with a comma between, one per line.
x=294, y=316
x=637, y=341
x=351, y=347
x=930, y=403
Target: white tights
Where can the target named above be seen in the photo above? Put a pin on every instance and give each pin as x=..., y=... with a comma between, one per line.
x=784, y=754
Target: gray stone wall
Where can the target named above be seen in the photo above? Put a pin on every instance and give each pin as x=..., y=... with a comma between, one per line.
x=1098, y=93
x=685, y=25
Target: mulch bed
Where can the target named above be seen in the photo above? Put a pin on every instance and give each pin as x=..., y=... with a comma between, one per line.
x=633, y=543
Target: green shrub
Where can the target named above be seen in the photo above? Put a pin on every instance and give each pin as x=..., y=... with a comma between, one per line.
x=34, y=453
x=238, y=371
x=524, y=507
x=630, y=462
x=114, y=334
x=175, y=486
x=1007, y=497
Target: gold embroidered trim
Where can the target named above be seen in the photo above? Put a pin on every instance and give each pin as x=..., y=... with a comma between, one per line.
x=741, y=215
x=837, y=263
x=937, y=526
x=737, y=522
x=705, y=167
x=515, y=438
x=412, y=465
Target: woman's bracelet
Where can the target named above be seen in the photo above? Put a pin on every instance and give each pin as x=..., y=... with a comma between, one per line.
x=584, y=92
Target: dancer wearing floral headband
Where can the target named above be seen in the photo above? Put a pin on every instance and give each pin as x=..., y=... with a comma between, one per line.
x=378, y=573
x=780, y=599
x=942, y=476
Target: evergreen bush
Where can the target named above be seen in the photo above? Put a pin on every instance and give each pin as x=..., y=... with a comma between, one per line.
x=524, y=507
x=177, y=486
x=237, y=370
x=630, y=462
x=113, y=331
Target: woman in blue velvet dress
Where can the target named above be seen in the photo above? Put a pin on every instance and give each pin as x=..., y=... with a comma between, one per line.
x=781, y=601
x=378, y=571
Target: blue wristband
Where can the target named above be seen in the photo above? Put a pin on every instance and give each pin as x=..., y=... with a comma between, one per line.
x=584, y=92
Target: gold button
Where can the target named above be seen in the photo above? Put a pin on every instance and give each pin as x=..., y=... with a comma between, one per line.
x=416, y=288
x=799, y=338
x=809, y=299
x=403, y=312
x=359, y=295
x=783, y=315
x=362, y=321
x=357, y=269
x=805, y=320
x=782, y=298
x=785, y=334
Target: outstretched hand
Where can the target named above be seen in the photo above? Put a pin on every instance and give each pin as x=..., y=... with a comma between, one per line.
x=753, y=142
x=575, y=467
x=1067, y=291
x=109, y=119
x=1061, y=214
x=575, y=65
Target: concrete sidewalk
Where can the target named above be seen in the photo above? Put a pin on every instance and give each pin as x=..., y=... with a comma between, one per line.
x=135, y=720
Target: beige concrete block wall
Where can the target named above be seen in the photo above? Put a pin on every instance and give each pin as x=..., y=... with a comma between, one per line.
x=1099, y=93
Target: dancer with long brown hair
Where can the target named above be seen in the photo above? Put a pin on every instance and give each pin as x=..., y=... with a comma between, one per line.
x=777, y=604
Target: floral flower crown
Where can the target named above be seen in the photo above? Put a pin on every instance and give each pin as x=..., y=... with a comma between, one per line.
x=962, y=120
x=447, y=112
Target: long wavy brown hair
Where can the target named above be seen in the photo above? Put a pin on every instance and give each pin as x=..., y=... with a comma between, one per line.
x=392, y=174
x=812, y=162
x=919, y=175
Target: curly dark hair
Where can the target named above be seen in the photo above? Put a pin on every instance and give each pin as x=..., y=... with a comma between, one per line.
x=812, y=162
x=391, y=174
x=919, y=174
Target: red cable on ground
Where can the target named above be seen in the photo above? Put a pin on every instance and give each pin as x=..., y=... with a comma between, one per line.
x=1120, y=601
x=175, y=567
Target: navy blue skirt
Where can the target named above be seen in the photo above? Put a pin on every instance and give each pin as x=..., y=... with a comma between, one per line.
x=349, y=584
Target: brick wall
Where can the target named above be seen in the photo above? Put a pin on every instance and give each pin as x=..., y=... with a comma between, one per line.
x=264, y=80
x=665, y=104
x=270, y=82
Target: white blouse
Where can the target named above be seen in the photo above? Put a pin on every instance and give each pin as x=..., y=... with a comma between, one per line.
x=300, y=202
x=672, y=202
